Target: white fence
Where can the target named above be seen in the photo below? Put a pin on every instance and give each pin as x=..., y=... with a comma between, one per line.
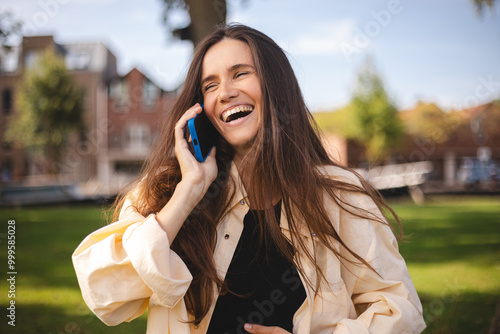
x=397, y=176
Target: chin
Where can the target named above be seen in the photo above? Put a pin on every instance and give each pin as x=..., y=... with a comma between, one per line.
x=241, y=143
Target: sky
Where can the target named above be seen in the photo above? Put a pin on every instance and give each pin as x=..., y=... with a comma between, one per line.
x=436, y=51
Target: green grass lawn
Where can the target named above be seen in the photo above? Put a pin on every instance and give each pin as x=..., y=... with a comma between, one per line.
x=453, y=255
x=48, y=299
x=452, y=250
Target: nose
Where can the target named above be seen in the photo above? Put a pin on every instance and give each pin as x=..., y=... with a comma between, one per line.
x=227, y=92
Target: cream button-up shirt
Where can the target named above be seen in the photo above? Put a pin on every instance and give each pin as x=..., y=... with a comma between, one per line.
x=126, y=267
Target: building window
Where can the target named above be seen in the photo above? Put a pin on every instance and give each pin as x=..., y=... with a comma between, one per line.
x=30, y=59
x=150, y=93
x=7, y=101
x=4, y=144
x=119, y=92
x=6, y=171
x=137, y=137
x=78, y=60
x=10, y=60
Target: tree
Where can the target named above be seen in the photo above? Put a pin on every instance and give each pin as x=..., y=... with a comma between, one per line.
x=9, y=27
x=375, y=120
x=429, y=121
x=204, y=15
x=482, y=4
x=49, y=107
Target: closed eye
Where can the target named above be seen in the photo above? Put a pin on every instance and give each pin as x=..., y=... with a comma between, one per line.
x=209, y=87
x=240, y=74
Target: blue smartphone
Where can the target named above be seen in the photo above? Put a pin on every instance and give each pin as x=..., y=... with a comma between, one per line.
x=204, y=136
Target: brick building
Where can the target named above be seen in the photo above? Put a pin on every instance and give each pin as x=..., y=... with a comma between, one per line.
x=136, y=109
x=121, y=117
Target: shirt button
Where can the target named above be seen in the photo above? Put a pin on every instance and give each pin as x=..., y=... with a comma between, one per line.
x=314, y=234
x=226, y=236
x=242, y=202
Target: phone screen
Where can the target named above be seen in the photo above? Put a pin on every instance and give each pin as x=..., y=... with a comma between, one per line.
x=203, y=134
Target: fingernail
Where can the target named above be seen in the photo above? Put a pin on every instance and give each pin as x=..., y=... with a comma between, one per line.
x=248, y=326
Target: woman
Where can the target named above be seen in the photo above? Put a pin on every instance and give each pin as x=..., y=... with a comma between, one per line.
x=268, y=235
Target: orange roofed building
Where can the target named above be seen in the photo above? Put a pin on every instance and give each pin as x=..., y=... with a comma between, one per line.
x=463, y=145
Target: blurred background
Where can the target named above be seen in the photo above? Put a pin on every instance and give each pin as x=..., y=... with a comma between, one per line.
x=406, y=92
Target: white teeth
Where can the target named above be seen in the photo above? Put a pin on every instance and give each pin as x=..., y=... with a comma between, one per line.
x=225, y=115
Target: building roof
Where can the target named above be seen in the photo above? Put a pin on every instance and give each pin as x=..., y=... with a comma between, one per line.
x=94, y=57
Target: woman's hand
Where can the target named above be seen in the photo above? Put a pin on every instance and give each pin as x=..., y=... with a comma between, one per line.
x=195, y=175
x=196, y=178
x=259, y=329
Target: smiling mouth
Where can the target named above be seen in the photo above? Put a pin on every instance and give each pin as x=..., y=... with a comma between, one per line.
x=236, y=113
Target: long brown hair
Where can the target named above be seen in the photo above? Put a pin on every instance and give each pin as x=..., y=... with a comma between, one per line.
x=282, y=162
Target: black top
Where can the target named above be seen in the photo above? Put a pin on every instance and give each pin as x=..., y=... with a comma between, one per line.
x=264, y=290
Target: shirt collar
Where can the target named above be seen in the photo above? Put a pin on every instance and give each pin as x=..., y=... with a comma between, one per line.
x=241, y=198
x=240, y=194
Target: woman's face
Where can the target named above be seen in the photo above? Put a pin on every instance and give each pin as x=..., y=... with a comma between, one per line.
x=231, y=92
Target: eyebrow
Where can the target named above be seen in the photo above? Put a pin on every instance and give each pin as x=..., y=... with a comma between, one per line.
x=230, y=69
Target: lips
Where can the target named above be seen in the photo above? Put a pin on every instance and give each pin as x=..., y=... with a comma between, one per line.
x=236, y=112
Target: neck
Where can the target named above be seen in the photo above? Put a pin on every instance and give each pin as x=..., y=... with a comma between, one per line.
x=239, y=156
x=245, y=177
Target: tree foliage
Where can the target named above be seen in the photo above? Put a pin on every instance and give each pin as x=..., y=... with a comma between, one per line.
x=49, y=106
x=482, y=4
x=375, y=121
x=9, y=27
x=429, y=121
x=336, y=122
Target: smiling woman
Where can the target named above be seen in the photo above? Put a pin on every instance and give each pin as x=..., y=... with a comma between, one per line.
x=232, y=93
x=267, y=235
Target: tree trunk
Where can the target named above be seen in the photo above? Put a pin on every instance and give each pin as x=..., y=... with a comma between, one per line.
x=205, y=15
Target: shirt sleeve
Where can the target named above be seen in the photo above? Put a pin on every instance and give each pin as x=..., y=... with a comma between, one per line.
x=120, y=267
x=385, y=300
